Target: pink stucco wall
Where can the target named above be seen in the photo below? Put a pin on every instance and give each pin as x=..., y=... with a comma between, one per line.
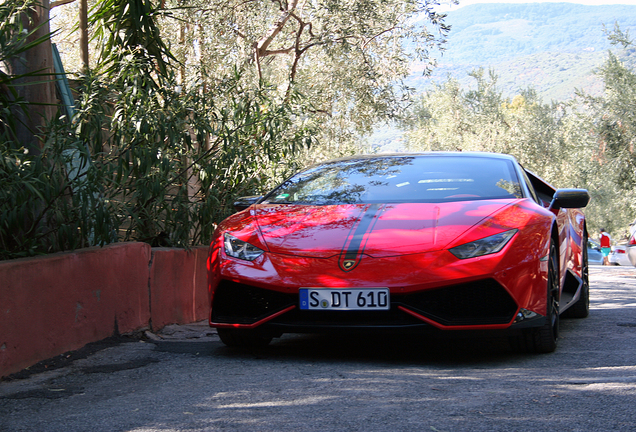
x=178, y=283
x=61, y=302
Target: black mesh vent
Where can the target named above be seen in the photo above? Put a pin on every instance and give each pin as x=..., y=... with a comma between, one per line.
x=243, y=304
x=476, y=303
x=361, y=319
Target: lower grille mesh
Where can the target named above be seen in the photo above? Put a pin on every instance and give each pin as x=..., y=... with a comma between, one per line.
x=476, y=303
x=243, y=304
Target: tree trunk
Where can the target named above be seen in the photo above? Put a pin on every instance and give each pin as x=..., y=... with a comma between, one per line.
x=83, y=34
x=37, y=92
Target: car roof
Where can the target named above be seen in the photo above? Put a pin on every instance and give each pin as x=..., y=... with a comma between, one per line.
x=423, y=154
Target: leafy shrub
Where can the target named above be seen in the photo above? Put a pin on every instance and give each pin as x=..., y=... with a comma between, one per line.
x=143, y=158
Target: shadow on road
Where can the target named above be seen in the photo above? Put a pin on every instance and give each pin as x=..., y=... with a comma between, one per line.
x=437, y=349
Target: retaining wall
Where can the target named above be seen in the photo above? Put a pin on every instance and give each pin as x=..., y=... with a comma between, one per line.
x=61, y=302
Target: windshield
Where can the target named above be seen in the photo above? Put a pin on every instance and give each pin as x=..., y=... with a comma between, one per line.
x=401, y=179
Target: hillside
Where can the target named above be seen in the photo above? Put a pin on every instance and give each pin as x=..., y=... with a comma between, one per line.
x=552, y=47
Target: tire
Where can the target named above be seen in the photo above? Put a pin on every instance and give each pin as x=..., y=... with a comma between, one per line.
x=581, y=309
x=544, y=339
x=243, y=338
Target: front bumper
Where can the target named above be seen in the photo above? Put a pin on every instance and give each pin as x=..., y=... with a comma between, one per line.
x=428, y=290
x=482, y=304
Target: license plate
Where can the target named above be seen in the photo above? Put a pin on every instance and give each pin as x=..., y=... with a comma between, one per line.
x=344, y=299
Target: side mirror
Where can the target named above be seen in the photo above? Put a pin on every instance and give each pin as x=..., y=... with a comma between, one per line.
x=244, y=202
x=570, y=198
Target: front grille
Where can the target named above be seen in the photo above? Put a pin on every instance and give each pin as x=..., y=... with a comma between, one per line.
x=353, y=319
x=477, y=303
x=243, y=304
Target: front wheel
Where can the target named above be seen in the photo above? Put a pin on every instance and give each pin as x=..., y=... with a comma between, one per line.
x=544, y=339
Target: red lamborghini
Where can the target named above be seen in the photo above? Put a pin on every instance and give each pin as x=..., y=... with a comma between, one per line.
x=448, y=241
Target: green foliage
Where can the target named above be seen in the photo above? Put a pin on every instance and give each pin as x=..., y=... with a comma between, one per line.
x=43, y=209
x=144, y=158
x=587, y=143
x=13, y=34
x=450, y=118
x=174, y=162
x=129, y=27
x=14, y=41
x=44, y=205
x=347, y=58
x=614, y=130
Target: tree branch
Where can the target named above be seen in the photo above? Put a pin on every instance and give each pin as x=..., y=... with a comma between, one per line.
x=378, y=35
x=59, y=3
x=267, y=39
x=275, y=52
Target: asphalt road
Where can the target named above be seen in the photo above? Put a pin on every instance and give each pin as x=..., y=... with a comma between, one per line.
x=186, y=380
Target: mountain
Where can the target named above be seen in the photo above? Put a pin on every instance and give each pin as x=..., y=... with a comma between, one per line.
x=551, y=47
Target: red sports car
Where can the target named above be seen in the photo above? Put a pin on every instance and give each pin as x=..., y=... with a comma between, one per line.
x=448, y=241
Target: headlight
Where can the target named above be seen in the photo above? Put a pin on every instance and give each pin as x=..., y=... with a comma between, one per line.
x=239, y=249
x=485, y=246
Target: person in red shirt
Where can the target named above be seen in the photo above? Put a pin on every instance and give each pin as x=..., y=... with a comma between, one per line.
x=606, y=245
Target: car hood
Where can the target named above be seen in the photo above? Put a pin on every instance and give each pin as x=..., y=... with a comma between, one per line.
x=377, y=230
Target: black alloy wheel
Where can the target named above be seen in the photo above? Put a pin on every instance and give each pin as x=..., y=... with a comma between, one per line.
x=544, y=339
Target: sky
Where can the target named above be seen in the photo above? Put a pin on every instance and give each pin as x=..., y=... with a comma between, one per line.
x=585, y=2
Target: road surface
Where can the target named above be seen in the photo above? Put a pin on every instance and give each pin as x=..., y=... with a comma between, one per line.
x=186, y=380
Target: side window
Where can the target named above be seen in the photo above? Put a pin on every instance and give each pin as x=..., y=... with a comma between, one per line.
x=542, y=190
x=533, y=193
